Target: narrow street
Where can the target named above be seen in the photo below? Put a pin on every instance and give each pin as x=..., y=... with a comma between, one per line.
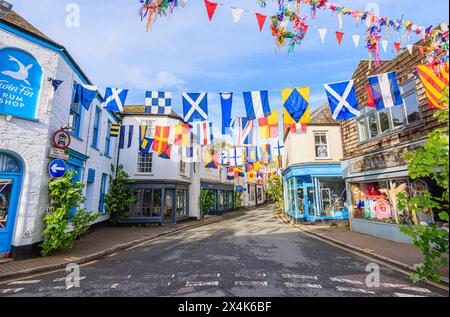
x=250, y=255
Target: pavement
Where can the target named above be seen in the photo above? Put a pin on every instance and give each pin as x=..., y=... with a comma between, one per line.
x=252, y=254
x=400, y=254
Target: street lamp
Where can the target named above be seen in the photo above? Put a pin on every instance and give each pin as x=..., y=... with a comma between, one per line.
x=5, y=7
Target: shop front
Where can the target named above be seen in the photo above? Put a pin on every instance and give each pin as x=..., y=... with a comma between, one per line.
x=159, y=203
x=315, y=192
x=374, y=182
x=224, y=196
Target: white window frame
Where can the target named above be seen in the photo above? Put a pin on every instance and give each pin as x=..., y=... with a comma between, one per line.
x=140, y=168
x=321, y=133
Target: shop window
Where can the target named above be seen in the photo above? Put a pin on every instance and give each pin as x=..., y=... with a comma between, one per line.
x=168, y=205
x=148, y=203
x=182, y=205
x=332, y=196
x=5, y=200
x=321, y=145
x=145, y=163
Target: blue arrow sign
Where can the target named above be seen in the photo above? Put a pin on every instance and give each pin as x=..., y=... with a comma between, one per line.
x=57, y=168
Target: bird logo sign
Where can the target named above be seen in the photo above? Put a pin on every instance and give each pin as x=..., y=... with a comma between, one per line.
x=21, y=74
x=20, y=83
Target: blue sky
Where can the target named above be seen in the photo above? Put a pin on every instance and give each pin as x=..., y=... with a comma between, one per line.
x=188, y=53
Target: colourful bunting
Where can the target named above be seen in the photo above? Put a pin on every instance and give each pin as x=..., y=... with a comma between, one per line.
x=339, y=36
x=261, y=18
x=210, y=8
x=434, y=83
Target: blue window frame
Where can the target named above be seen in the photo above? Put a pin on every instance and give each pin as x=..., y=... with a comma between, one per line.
x=97, y=120
x=75, y=116
x=108, y=139
x=101, y=203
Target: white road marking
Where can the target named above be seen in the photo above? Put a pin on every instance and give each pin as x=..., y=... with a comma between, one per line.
x=417, y=289
x=63, y=279
x=344, y=280
x=249, y=275
x=63, y=287
x=251, y=283
x=194, y=276
x=11, y=290
x=114, y=285
x=129, y=276
x=299, y=276
x=302, y=285
x=354, y=290
x=24, y=282
x=393, y=285
x=199, y=284
x=407, y=295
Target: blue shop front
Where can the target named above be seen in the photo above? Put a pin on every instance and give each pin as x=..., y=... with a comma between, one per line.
x=315, y=192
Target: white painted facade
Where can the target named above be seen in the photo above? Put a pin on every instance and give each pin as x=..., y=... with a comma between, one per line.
x=30, y=141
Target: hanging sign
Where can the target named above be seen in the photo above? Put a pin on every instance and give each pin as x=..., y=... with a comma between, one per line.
x=61, y=139
x=20, y=83
x=57, y=168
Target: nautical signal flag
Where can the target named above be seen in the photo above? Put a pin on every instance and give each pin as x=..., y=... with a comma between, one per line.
x=210, y=8
x=235, y=157
x=126, y=136
x=251, y=176
x=266, y=155
x=158, y=102
x=195, y=107
x=204, y=133
x=342, y=100
x=114, y=130
x=211, y=158
x=230, y=173
x=434, y=82
x=145, y=143
x=190, y=154
x=385, y=92
x=257, y=104
x=268, y=126
x=115, y=99
x=246, y=136
x=226, y=100
x=182, y=135
x=84, y=94
x=166, y=152
x=161, y=140
x=223, y=157
x=252, y=154
x=296, y=105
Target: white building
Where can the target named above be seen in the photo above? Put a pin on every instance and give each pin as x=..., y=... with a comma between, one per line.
x=30, y=112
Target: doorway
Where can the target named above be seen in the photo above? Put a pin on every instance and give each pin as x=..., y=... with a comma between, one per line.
x=10, y=183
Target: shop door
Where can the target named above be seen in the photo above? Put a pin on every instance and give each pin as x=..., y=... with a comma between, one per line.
x=309, y=202
x=8, y=206
x=169, y=206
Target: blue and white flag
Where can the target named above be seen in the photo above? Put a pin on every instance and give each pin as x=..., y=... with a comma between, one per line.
x=84, y=94
x=115, y=99
x=126, y=136
x=235, y=157
x=385, y=90
x=195, y=107
x=277, y=147
x=246, y=136
x=226, y=100
x=190, y=154
x=257, y=104
x=342, y=100
x=158, y=102
x=223, y=157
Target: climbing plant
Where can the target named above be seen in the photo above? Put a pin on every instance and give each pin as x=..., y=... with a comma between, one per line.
x=432, y=161
x=119, y=196
x=207, y=201
x=65, y=222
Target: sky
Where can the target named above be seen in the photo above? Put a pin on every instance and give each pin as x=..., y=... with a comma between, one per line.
x=187, y=53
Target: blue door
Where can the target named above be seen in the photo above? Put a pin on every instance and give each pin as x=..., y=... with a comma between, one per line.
x=10, y=183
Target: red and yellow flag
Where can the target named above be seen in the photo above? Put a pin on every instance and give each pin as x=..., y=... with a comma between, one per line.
x=182, y=135
x=268, y=126
x=434, y=83
x=161, y=141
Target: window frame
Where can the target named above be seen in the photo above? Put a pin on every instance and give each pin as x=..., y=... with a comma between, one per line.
x=75, y=131
x=107, y=148
x=145, y=170
x=96, y=127
x=320, y=134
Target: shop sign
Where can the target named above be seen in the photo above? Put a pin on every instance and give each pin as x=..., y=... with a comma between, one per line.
x=383, y=160
x=20, y=83
x=58, y=154
x=240, y=189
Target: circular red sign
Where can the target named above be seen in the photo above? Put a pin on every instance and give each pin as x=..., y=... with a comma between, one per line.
x=61, y=139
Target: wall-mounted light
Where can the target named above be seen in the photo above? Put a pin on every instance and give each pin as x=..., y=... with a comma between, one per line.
x=5, y=7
